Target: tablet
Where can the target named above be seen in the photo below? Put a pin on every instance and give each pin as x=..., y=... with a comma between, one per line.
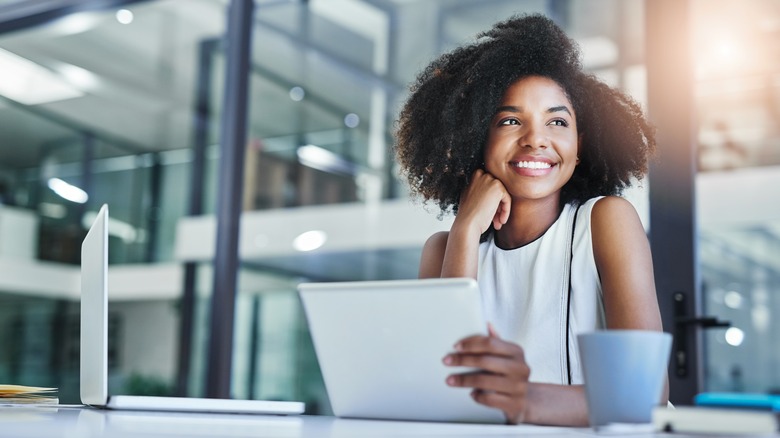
x=380, y=346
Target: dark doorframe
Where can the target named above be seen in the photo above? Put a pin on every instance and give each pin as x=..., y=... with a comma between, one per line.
x=673, y=236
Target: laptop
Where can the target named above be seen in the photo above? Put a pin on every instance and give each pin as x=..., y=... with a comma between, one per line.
x=380, y=346
x=94, y=345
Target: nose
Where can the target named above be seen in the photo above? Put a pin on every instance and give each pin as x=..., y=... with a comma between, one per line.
x=533, y=137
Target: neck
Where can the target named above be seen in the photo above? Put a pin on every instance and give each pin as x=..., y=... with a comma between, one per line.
x=528, y=220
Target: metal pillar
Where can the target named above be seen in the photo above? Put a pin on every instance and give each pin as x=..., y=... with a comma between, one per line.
x=153, y=211
x=229, y=199
x=206, y=51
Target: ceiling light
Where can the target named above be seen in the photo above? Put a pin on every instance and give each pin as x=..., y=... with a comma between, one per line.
x=124, y=16
x=733, y=299
x=310, y=240
x=68, y=191
x=29, y=83
x=322, y=159
x=81, y=78
x=351, y=120
x=297, y=94
x=73, y=24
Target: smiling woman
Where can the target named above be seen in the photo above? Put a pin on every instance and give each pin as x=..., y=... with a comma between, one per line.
x=529, y=152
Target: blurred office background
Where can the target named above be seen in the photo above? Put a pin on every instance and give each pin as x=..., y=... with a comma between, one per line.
x=114, y=103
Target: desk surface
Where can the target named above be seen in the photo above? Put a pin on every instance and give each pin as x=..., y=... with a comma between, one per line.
x=77, y=422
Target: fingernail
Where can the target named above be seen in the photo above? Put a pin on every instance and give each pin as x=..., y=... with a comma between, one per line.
x=451, y=380
x=458, y=346
x=448, y=360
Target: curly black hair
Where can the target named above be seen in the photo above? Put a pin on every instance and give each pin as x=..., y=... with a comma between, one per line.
x=443, y=127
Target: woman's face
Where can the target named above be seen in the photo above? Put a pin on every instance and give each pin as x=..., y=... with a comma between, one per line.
x=533, y=143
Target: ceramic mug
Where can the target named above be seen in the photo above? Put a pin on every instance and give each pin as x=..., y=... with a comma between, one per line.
x=624, y=372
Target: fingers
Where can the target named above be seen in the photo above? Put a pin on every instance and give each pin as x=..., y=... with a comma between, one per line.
x=482, y=203
x=507, y=392
x=500, y=218
x=489, y=354
x=499, y=365
x=492, y=331
x=505, y=206
x=501, y=377
x=487, y=382
x=491, y=344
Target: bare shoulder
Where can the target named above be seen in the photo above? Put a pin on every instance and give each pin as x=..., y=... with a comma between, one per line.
x=613, y=208
x=433, y=255
x=435, y=246
x=615, y=226
x=437, y=240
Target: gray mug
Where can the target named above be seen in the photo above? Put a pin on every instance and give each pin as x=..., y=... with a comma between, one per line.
x=624, y=372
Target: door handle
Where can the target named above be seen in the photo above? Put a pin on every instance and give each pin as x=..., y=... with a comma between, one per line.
x=683, y=323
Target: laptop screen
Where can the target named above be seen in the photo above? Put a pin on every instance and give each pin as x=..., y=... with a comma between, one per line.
x=94, y=312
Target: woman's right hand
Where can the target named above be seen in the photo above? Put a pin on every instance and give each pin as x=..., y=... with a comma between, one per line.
x=485, y=201
x=455, y=254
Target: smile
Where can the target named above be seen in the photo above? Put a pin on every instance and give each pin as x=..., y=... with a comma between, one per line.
x=531, y=164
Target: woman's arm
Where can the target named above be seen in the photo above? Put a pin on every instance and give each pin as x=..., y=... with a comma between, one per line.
x=455, y=254
x=625, y=265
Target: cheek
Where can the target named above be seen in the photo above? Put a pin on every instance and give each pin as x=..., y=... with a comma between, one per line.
x=569, y=146
x=489, y=157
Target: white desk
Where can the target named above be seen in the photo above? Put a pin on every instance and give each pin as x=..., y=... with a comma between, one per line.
x=51, y=422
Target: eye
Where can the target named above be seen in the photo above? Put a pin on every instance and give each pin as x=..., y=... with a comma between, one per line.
x=509, y=121
x=559, y=122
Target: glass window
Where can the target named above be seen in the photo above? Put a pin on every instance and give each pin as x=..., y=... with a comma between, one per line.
x=737, y=188
x=99, y=107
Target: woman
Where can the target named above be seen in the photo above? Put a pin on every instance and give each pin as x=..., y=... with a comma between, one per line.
x=530, y=153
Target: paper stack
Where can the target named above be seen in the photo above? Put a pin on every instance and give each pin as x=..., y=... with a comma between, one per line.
x=18, y=394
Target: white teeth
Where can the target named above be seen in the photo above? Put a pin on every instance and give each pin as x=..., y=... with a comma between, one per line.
x=532, y=165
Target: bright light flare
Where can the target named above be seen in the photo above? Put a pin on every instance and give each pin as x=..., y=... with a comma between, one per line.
x=124, y=16
x=734, y=336
x=68, y=191
x=310, y=240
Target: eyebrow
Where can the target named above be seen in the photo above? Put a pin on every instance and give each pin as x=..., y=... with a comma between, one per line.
x=517, y=109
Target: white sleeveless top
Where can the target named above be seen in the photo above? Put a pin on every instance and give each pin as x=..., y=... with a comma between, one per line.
x=525, y=293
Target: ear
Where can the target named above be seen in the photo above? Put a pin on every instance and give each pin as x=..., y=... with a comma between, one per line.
x=579, y=146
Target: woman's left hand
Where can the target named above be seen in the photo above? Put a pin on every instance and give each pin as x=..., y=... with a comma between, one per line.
x=502, y=381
